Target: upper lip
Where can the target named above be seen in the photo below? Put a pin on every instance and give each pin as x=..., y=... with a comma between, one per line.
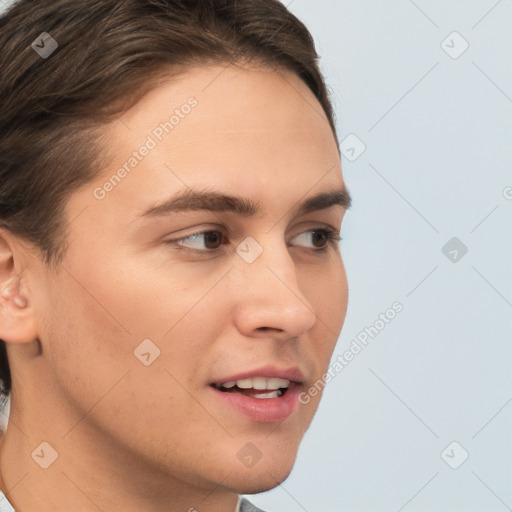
x=292, y=374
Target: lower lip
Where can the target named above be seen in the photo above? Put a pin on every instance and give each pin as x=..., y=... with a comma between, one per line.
x=263, y=410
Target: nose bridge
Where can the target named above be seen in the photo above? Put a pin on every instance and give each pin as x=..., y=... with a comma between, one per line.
x=270, y=293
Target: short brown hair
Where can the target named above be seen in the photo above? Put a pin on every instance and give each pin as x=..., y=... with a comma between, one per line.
x=110, y=52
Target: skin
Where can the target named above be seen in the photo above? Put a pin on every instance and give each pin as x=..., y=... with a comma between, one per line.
x=131, y=437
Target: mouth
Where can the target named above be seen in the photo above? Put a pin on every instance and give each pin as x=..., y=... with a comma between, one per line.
x=255, y=387
x=266, y=395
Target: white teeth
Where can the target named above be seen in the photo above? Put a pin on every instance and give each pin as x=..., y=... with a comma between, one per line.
x=274, y=394
x=258, y=383
x=244, y=383
x=276, y=383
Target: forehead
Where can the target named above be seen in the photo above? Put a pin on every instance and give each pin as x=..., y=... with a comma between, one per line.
x=249, y=131
x=232, y=103
x=228, y=84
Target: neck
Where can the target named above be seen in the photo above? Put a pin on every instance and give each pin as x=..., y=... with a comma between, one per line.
x=91, y=473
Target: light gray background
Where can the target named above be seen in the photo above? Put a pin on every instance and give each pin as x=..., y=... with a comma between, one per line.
x=438, y=136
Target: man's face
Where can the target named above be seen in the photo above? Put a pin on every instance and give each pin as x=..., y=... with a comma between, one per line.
x=138, y=332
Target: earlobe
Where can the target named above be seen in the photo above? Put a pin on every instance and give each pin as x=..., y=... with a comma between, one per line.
x=16, y=318
x=16, y=315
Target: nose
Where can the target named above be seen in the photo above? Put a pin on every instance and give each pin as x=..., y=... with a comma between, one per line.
x=271, y=302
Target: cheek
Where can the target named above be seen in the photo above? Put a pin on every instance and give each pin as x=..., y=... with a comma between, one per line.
x=92, y=317
x=151, y=299
x=340, y=297
x=85, y=346
x=327, y=292
x=93, y=367
x=99, y=318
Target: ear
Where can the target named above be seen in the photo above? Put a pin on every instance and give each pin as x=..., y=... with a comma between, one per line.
x=17, y=322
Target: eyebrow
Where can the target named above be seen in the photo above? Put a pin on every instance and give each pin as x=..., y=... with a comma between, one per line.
x=214, y=201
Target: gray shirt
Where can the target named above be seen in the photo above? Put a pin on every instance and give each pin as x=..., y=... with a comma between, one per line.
x=245, y=506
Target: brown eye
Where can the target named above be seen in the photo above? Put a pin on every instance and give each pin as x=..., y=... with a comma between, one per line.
x=202, y=241
x=320, y=237
x=213, y=239
x=209, y=241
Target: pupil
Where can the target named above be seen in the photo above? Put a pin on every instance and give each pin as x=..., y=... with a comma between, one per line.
x=212, y=236
x=321, y=234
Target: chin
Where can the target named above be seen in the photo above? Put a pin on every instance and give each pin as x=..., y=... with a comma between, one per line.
x=262, y=477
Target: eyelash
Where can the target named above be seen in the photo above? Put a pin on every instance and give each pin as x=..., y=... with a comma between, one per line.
x=333, y=237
